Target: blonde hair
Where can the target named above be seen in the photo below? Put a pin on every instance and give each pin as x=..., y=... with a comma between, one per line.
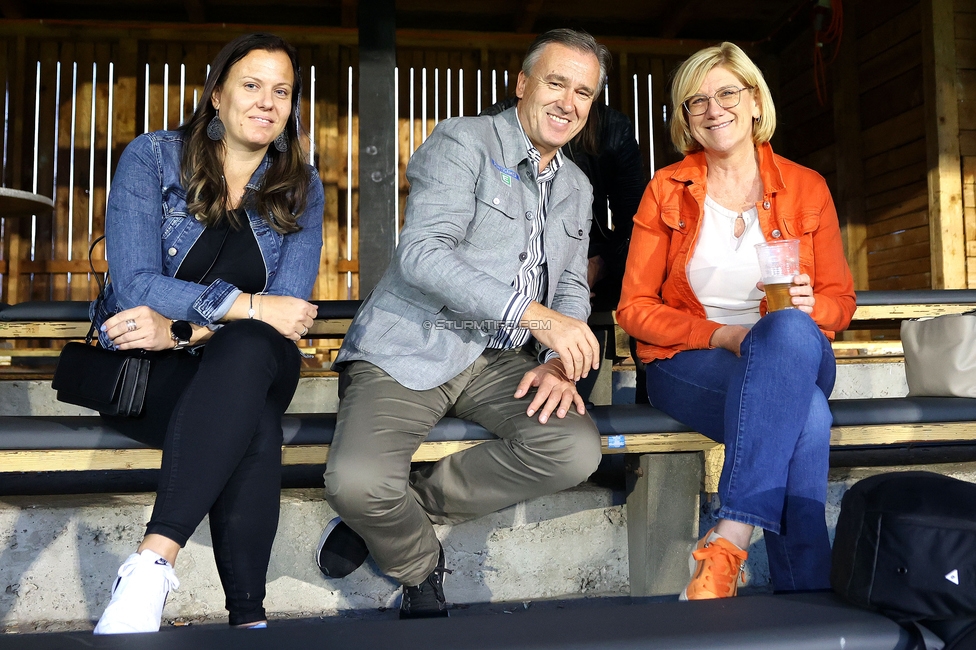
x=689, y=78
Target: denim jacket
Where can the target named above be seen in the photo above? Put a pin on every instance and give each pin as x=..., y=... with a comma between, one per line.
x=149, y=233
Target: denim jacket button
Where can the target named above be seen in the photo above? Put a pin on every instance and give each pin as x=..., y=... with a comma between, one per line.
x=495, y=201
x=172, y=251
x=777, y=234
x=528, y=215
x=765, y=205
x=681, y=224
x=522, y=257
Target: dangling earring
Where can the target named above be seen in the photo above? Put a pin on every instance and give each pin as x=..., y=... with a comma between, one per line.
x=281, y=142
x=215, y=129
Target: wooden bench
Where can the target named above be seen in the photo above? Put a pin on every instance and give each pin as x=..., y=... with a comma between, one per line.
x=667, y=465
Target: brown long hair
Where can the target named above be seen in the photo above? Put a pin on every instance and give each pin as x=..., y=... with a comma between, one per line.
x=284, y=188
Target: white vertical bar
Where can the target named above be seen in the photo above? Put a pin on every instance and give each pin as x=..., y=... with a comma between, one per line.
x=506, y=83
x=448, y=93
x=650, y=121
x=311, y=117
x=6, y=125
x=71, y=160
x=37, y=122
x=423, y=104
x=349, y=184
x=396, y=156
x=196, y=98
x=108, y=133
x=478, y=92
x=437, y=98
x=494, y=87
x=165, y=96
x=606, y=94
x=636, y=112
x=460, y=92
x=146, y=103
x=413, y=146
x=182, y=89
x=91, y=154
x=37, y=129
x=57, y=122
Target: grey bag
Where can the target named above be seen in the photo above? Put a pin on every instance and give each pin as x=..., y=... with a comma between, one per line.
x=940, y=355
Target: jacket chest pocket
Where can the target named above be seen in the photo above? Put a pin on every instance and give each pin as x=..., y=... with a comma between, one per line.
x=803, y=227
x=495, y=218
x=174, y=213
x=678, y=229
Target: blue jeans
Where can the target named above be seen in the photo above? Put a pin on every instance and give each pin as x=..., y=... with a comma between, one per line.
x=769, y=407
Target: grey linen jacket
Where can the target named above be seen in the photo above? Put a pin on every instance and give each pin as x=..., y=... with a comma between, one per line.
x=473, y=192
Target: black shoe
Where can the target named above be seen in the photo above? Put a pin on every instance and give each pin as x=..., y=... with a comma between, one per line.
x=340, y=551
x=426, y=600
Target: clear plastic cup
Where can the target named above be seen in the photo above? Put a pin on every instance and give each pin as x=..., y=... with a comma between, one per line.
x=779, y=262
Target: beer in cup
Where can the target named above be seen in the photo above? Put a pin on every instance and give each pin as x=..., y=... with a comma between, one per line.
x=779, y=262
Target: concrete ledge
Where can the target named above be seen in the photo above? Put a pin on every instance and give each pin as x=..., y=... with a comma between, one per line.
x=59, y=555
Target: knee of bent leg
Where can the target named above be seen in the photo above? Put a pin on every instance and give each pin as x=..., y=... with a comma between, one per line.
x=249, y=341
x=355, y=490
x=579, y=452
x=791, y=335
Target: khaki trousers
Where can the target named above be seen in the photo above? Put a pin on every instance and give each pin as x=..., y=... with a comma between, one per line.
x=381, y=424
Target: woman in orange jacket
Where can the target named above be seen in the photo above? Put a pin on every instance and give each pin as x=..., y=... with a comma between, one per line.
x=715, y=359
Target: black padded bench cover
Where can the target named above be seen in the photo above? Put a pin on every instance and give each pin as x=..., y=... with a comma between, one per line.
x=90, y=432
x=745, y=623
x=77, y=310
x=916, y=297
x=46, y=310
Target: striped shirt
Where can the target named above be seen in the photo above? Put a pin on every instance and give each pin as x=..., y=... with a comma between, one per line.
x=532, y=280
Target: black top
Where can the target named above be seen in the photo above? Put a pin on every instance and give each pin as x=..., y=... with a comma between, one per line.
x=238, y=258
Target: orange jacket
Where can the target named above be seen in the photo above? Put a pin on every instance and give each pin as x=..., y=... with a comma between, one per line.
x=659, y=308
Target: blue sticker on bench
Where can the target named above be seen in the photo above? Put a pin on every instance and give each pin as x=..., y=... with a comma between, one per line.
x=616, y=442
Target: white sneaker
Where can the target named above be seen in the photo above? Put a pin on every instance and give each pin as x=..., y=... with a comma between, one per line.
x=145, y=579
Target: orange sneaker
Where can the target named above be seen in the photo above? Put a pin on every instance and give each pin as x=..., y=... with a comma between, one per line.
x=715, y=567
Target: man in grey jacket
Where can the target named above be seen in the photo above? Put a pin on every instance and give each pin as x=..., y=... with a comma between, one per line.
x=481, y=315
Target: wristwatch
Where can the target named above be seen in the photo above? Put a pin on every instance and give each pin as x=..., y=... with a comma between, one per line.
x=181, y=332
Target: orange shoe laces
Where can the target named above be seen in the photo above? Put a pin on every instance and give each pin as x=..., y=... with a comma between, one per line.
x=719, y=572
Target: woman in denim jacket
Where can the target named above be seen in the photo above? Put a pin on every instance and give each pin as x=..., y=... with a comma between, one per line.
x=213, y=236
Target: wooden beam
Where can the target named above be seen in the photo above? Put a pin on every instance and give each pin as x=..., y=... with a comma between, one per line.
x=526, y=15
x=946, y=230
x=677, y=19
x=349, y=13
x=849, y=156
x=377, y=141
x=881, y=435
x=195, y=11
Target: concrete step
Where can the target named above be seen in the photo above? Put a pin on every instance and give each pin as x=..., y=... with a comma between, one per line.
x=59, y=555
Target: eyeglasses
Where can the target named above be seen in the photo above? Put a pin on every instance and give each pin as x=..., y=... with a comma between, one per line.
x=728, y=97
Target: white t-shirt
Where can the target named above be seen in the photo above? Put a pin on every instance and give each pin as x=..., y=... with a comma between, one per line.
x=724, y=269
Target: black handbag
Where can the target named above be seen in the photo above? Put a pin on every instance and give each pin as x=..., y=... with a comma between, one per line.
x=906, y=546
x=112, y=382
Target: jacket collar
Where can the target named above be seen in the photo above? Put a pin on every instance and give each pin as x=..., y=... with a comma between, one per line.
x=693, y=169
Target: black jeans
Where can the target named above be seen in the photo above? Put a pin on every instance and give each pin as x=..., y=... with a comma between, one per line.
x=217, y=418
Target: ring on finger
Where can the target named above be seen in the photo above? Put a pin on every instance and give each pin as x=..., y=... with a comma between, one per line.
x=130, y=325
x=304, y=331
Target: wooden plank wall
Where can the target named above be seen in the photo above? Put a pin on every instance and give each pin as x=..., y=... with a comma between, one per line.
x=892, y=194
x=76, y=151
x=75, y=154
x=965, y=32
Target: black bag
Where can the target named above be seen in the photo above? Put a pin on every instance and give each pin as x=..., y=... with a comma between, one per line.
x=112, y=382
x=906, y=546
